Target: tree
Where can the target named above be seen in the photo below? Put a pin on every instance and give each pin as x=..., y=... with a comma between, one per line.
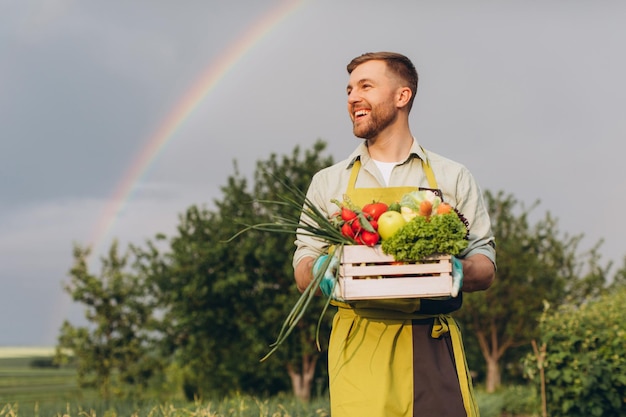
x=113, y=353
x=224, y=303
x=535, y=263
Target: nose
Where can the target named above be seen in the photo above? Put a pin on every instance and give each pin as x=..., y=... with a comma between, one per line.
x=353, y=97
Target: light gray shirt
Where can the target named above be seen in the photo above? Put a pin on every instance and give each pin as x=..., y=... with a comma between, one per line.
x=458, y=186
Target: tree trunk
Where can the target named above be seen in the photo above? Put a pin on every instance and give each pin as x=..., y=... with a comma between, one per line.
x=492, y=351
x=493, y=374
x=540, y=355
x=301, y=381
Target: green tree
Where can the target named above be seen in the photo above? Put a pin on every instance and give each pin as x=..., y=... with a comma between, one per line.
x=224, y=303
x=113, y=353
x=535, y=263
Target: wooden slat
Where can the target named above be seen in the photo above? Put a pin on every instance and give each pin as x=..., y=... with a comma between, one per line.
x=367, y=273
x=358, y=270
x=364, y=289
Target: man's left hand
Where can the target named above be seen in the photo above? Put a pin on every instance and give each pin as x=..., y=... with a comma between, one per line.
x=457, y=276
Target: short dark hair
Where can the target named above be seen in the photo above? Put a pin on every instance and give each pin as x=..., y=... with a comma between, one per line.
x=398, y=64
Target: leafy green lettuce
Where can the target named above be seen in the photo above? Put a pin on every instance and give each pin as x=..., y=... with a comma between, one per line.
x=443, y=234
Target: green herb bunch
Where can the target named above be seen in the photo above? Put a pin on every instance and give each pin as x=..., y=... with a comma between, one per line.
x=295, y=213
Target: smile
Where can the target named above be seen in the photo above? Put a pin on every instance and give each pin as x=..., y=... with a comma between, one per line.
x=360, y=113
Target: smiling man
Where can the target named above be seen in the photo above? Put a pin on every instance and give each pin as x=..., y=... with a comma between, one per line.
x=399, y=357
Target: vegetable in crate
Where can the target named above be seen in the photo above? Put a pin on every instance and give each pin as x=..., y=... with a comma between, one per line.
x=425, y=236
x=359, y=225
x=419, y=203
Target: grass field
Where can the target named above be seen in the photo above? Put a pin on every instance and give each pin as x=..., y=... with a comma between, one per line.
x=27, y=390
x=38, y=391
x=12, y=352
x=22, y=382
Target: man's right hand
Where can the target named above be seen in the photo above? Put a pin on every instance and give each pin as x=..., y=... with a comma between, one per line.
x=327, y=266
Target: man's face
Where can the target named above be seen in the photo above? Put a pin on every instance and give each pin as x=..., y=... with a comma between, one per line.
x=371, y=94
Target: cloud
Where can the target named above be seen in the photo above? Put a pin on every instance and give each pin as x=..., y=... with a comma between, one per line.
x=529, y=97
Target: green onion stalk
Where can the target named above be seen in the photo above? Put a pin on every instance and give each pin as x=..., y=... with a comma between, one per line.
x=308, y=220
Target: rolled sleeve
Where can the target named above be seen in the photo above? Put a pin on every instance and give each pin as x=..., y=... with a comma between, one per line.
x=471, y=204
x=307, y=246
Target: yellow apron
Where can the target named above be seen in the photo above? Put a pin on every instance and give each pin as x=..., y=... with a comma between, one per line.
x=385, y=359
x=363, y=196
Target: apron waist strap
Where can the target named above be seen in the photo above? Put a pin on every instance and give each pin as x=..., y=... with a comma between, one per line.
x=381, y=314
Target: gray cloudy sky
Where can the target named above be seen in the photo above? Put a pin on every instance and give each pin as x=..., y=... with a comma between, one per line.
x=529, y=95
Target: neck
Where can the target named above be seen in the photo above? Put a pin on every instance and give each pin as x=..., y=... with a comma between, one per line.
x=390, y=148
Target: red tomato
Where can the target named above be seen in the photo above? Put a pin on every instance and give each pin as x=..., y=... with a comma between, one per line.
x=356, y=225
x=347, y=214
x=346, y=230
x=369, y=238
x=374, y=210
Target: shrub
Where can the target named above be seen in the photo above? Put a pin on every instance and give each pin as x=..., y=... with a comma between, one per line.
x=44, y=363
x=512, y=400
x=585, y=362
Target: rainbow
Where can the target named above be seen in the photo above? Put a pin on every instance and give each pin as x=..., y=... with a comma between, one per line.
x=182, y=111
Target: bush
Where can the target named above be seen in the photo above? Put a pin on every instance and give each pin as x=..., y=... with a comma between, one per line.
x=514, y=400
x=585, y=363
x=44, y=363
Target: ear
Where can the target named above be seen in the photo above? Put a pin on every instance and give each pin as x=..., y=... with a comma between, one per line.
x=403, y=97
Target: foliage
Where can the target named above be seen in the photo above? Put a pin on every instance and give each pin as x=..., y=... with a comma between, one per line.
x=535, y=263
x=113, y=353
x=585, y=367
x=222, y=302
x=237, y=405
x=513, y=400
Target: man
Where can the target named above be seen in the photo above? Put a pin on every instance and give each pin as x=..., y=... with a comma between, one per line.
x=397, y=357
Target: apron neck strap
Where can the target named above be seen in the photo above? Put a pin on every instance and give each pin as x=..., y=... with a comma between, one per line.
x=430, y=175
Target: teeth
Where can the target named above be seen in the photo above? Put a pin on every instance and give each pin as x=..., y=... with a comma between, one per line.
x=360, y=113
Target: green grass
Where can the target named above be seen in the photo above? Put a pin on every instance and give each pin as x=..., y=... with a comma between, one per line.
x=236, y=406
x=22, y=383
x=50, y=392
x=13, y=352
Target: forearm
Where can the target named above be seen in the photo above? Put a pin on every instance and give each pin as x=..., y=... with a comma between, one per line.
x=303, y=273
x=478, y=273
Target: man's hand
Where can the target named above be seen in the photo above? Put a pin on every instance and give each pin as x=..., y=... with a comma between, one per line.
x=457, y=276
x=478, y=273
x=327, y=266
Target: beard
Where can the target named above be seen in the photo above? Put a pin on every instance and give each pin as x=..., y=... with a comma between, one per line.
x=380, y=118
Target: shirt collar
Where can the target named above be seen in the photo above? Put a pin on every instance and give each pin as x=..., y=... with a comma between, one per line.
x=362, y=153
x=359, y=153
x=417, y=150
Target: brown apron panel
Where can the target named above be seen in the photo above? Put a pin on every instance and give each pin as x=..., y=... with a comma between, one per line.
x=436, y=389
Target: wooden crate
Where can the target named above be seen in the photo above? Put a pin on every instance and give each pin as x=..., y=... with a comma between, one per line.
x=367, y=273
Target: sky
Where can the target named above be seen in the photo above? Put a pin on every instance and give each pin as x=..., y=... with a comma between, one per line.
x=117, y=116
